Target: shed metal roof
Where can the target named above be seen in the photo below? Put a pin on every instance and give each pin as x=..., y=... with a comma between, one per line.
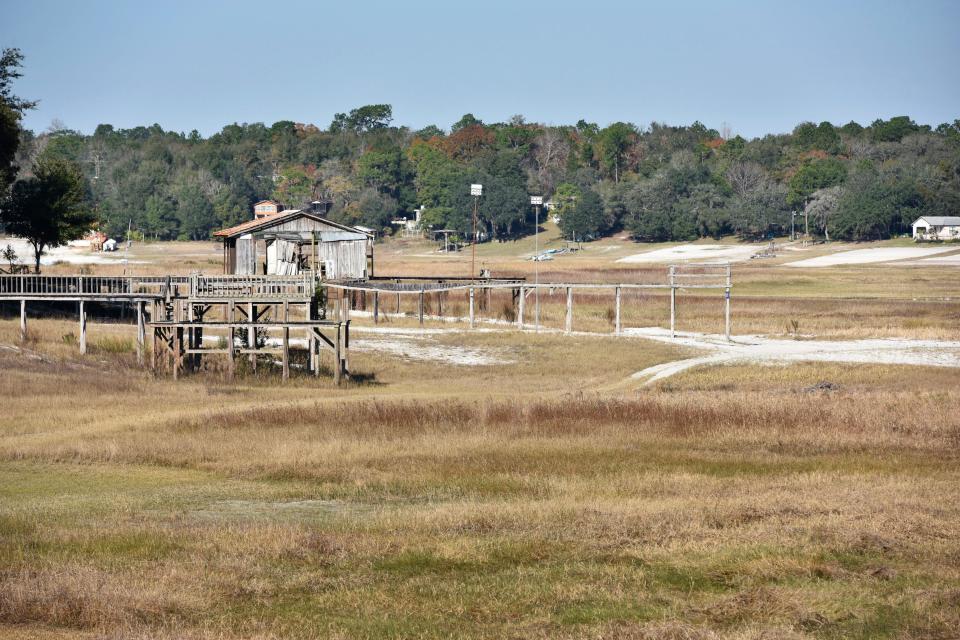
x=265, y=223
x=940, y=221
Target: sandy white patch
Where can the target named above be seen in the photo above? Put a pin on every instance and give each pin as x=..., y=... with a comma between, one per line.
x=76, y=252
x=411, y=344
x=696, y=252
x=952, y=260
x=763, y=350
x=869, y=256
x=428, y=350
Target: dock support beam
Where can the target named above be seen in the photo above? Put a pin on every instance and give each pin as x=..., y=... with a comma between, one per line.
x=141, y=331
x=616, y=312
x=23, y=320
x=231, y=361
x=337, y=362
x=286, y=342
x=83, y=328
x=520, y=304
x=252, y=334
x=569, y=324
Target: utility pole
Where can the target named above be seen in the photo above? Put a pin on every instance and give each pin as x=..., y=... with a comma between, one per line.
x=476, y=190
x=536, y=201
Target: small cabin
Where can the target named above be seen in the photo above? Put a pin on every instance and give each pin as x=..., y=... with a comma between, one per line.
x=266, y=208
x=296, y=241
x=937, y=228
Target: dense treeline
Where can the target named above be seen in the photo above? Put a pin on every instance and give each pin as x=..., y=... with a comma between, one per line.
x=657, y=182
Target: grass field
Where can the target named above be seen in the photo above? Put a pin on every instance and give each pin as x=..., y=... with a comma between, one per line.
x=538, y=497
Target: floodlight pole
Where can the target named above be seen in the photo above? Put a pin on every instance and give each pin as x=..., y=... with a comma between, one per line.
x=473, y=242
x=536, y=201
x=476, y=190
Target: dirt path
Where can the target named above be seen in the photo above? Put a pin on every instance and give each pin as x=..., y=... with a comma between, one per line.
x=760, y=349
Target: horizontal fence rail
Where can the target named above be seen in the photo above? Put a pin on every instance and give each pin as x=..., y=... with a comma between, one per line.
x=233, y=286
x=195, y=286
x=33, y=285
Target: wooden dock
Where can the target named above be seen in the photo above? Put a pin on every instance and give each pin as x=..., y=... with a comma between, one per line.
x=179, y=309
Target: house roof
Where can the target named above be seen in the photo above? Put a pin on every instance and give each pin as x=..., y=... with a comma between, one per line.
x=940, y=221
x=266, y=202
x=265, y=223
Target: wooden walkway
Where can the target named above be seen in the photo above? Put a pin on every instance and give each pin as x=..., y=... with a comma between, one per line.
x=181, y=308
x=679, y=278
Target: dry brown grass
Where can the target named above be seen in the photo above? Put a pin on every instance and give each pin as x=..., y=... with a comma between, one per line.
x=532, y=499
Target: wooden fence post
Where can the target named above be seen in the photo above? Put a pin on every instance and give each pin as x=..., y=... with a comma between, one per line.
x=23, y=320
x=569, y=323
x=376, y=307
x=420, y=307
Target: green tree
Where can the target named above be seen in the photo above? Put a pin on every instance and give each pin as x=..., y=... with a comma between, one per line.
x=892, y=130
x=585, y=219
x=11, y=110
x=813, y=175
x=809, y=136
x=612, y=145
x=49, y=208
x=160, y=218
x=363, y=119
x=565, y=199
x=195, y=214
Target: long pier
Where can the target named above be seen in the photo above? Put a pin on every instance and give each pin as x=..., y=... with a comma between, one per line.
x=178, y=309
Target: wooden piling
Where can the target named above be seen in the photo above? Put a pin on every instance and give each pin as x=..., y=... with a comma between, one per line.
x=141, y=331
x=83, y=328
x=569, y=324
x=726, y=308
x=337, y=362
x=420, y=307
x=520, y=304
x=252, y=335
x=473, y=322
x=23, y=320
x=177, y=351
x=286, y=342
x=376, y=307
x=616, y=312
x=673, y=303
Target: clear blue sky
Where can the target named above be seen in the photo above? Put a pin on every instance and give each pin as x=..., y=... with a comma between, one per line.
x=758, y=66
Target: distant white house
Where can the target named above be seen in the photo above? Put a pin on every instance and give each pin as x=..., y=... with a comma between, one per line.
x=937, y=228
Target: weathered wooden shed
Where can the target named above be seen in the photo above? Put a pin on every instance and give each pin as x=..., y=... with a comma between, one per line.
x=292, y=242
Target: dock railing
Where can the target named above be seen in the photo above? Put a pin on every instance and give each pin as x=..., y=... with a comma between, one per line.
x=297, y=287
x=75, y=287
x=82, y=286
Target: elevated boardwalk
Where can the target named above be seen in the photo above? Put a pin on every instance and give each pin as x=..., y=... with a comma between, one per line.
x=181, y=308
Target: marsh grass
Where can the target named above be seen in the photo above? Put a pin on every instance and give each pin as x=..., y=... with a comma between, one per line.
x=539, y=498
